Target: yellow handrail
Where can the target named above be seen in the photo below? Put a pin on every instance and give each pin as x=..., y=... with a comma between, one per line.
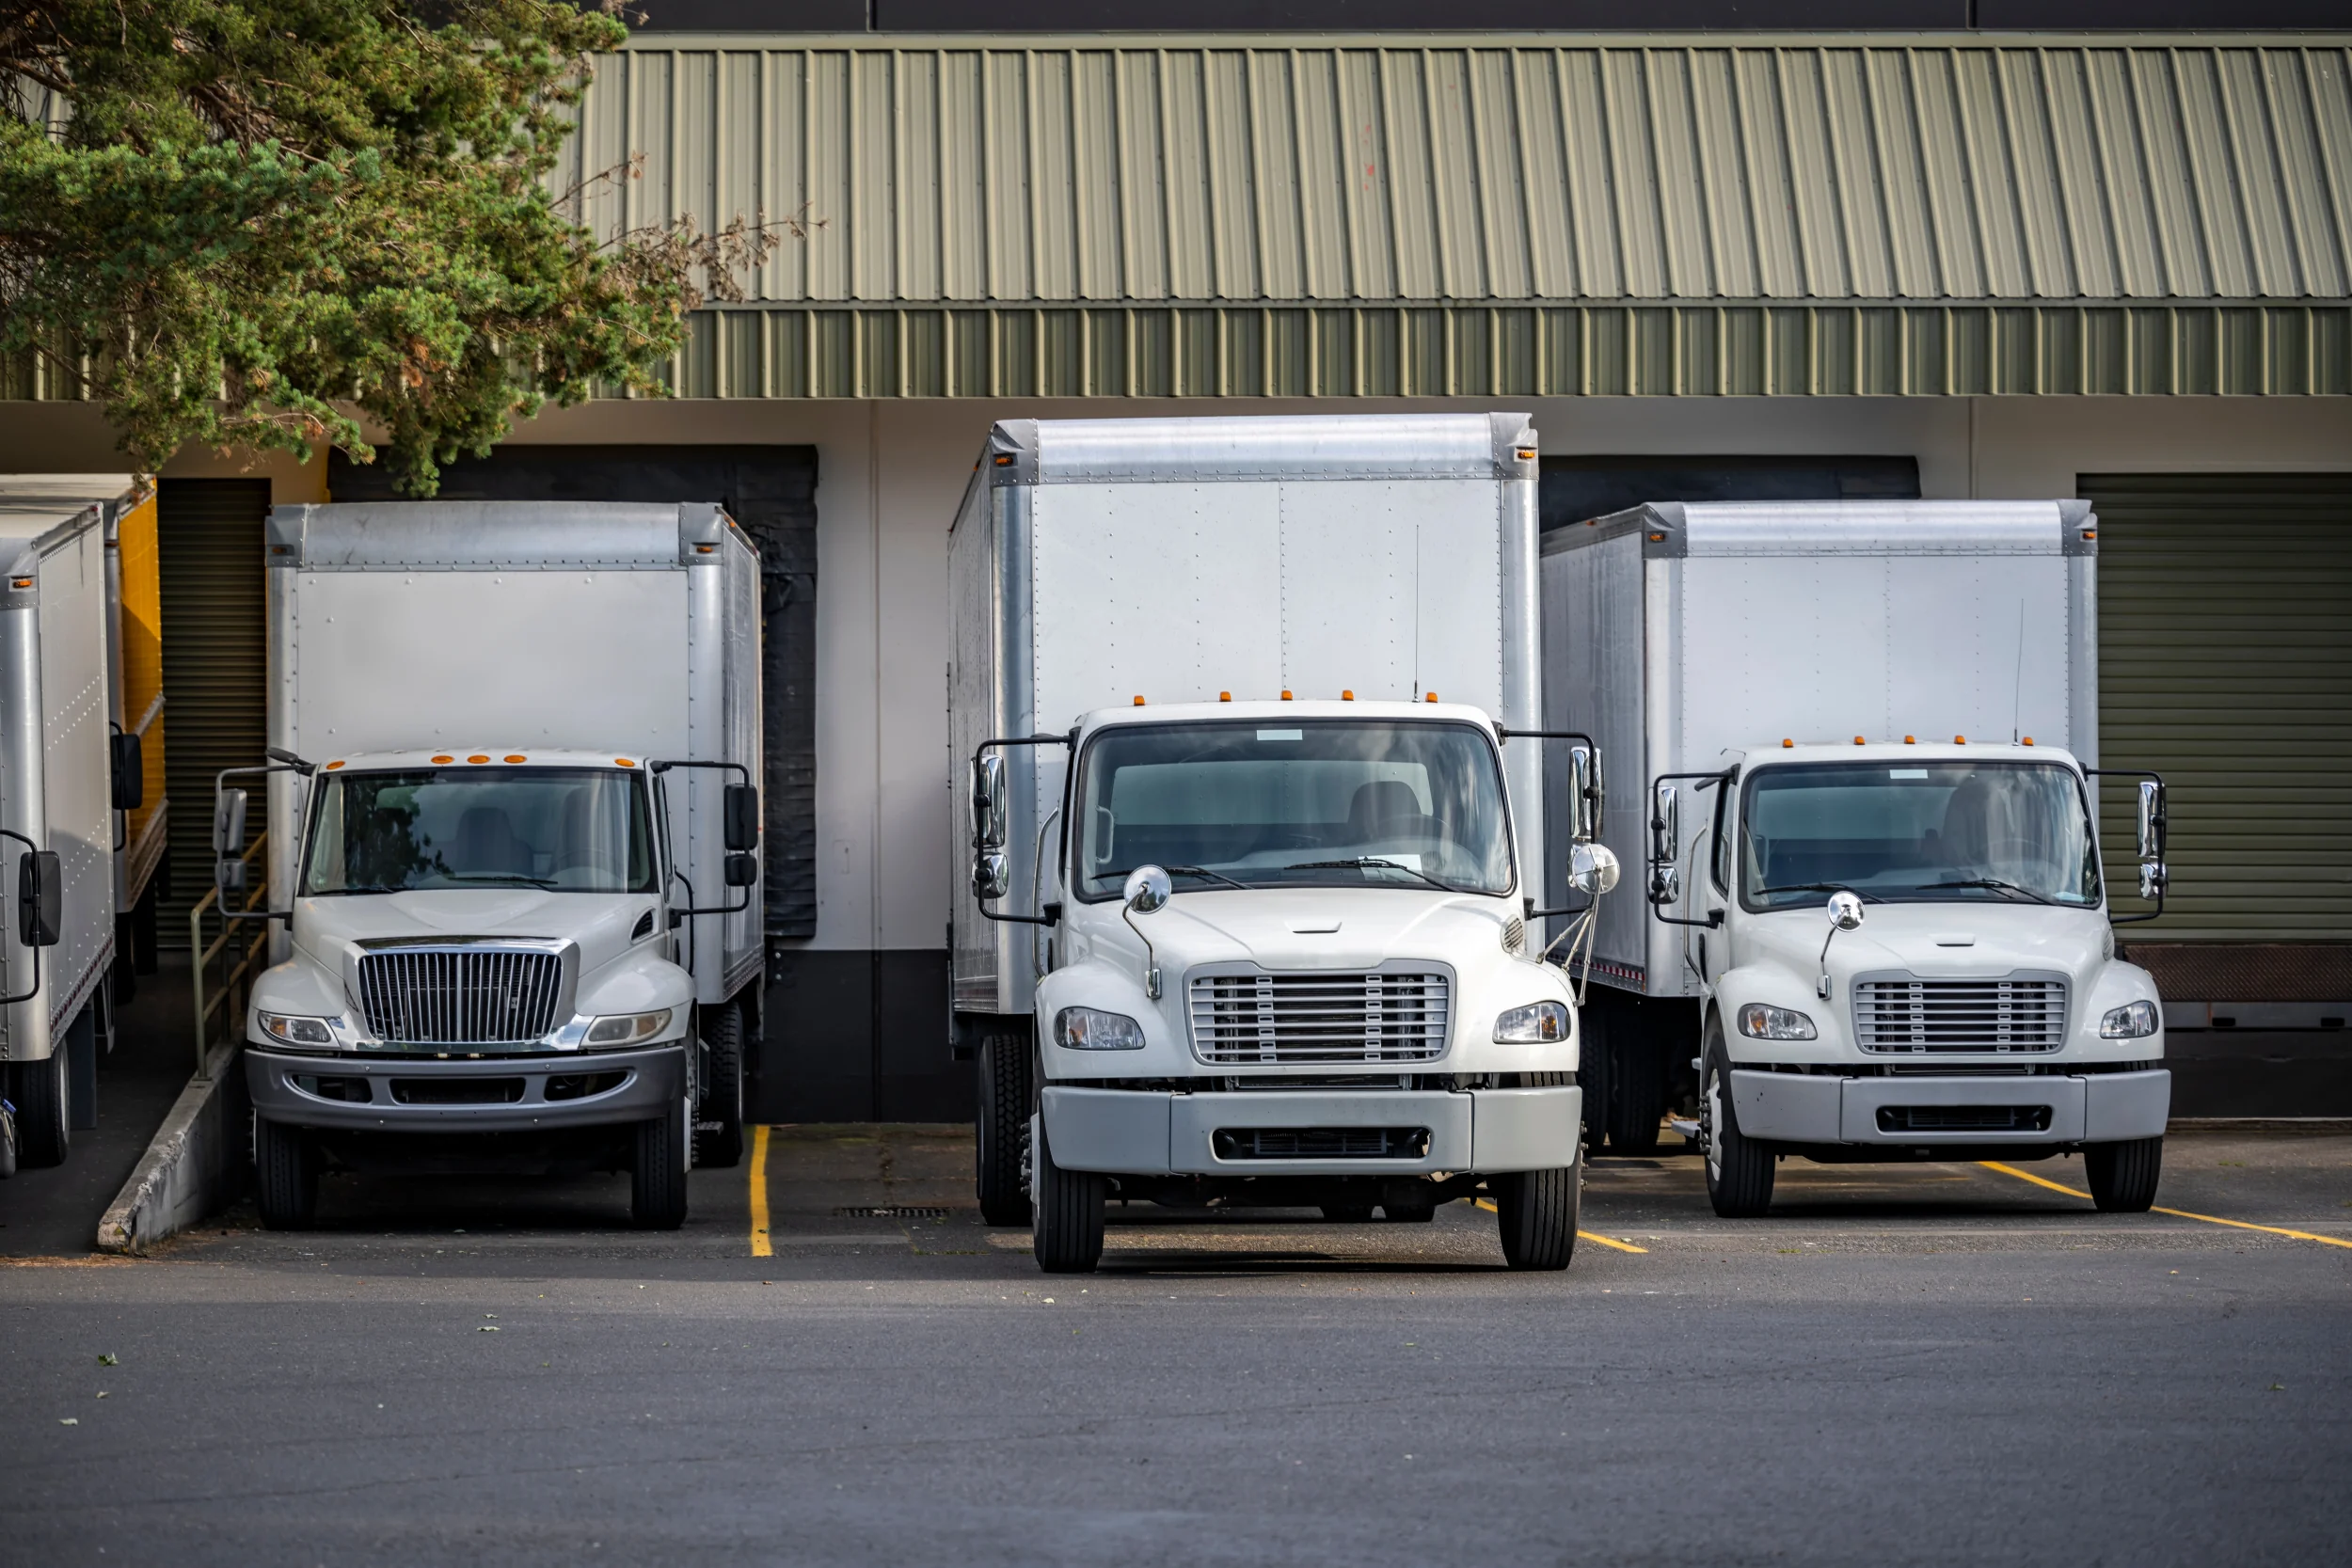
x=256, y=896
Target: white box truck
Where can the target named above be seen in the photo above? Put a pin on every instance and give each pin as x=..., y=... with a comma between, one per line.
x=511, y=834
x=1244, y=919
x=1889, y=711
x=62, y=779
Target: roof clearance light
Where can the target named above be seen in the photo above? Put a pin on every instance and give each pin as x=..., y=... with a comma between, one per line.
x=517, y=756
x=1348, y=696
x=1224, y=696
x=332, y=765
x=2029, y=740
x=444, y=757
x=1857, y=740
x=1911, y=740
x=1138, y=699
x=478, y=757
x=1431, y=697
x=1286, y=693
x=1787, y=744
x=624, y=762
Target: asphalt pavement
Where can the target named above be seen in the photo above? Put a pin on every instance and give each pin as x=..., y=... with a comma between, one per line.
x=1936, y=1364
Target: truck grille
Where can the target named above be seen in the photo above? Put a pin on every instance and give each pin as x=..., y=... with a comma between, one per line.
x=1959, y=1014
x=1383, y=1016
x=1321, y=1142
x=459, y=996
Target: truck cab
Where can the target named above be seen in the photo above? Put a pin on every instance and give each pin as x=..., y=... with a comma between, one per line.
x=1289, y=963
x=1903, y=951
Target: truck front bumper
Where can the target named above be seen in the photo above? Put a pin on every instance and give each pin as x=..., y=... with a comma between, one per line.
x=487, y=1094
x=1309, y=1132
x=1923, y=1111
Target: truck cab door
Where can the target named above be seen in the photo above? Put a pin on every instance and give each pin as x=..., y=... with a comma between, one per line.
x=1714, y=946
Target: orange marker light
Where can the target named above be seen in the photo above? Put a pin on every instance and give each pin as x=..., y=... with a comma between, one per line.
x=444, y=757
x=332, y=765
x=2029, y=740
x=1286, y=695
x=477, y=757
x=1960, y=740
x=518, y=757
x=1909, y=740
x=1138, y=699
x=20, y=582
x=2091, y=533
x=624, y=762
x=1431, y=697
x=1787, y=744
x=1348, y=696
x=1857, y=740
x=1004, y=460
x=1224, y=696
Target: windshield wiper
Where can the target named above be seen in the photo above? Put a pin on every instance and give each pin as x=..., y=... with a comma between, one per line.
x=504, y=877
x=1821, y=887
x=1368, y=862
x=1176, y=871
x=1993, y=882
x=332, y=892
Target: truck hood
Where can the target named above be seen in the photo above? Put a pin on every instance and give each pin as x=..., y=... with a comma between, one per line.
x=1313, y=928
x=1954, y=941
x=598, y=924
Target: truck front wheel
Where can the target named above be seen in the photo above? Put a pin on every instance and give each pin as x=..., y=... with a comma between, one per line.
x=719, y=1137
x=656, y=1174
x=44, y=1110
x=286, y=1176
x=1740, y=1171
x=1003, y=1128
x=2123, y=1176
x=1538, y=1212
x=1066, y=1232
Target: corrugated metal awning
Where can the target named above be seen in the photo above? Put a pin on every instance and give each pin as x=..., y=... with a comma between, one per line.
x=1191, y=217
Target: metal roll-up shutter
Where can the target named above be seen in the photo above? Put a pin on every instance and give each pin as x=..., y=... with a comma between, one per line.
x=215, y=630
x=2225, y=663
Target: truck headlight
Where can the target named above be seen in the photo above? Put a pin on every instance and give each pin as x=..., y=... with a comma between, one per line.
x=2131, y=1021
x=296, y=1030
x=1085, y=1029
x=627, y=1028
x=1760, y=1022
x=1537, y=1024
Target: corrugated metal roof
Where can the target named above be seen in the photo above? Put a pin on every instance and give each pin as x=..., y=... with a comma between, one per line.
x=1895, y=171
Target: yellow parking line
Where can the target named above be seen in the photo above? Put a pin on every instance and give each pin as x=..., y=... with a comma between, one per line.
x=762, y=1247
x=2176, y=1213
x=1488, y=1204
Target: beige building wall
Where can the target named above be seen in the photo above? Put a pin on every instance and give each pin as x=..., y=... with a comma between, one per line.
x=890, y=473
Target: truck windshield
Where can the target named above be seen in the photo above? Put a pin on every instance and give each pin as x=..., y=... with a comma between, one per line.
x=1968, y=831
x=572, y=829
x=1314, y=803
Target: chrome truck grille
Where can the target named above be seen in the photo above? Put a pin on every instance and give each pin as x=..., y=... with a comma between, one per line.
x=460, y=995
x=1377, y=1016
x=1918, y=1016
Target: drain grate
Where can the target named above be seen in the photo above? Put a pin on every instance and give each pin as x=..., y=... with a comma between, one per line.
x=889, y=1211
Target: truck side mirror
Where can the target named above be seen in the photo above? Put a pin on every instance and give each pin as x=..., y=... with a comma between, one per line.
x=992, y=876
x=742, y=821
x=40, y=898
x=1585, y=793
x=128, y=778
x=989, y=829
x=228, y=842
x=741, y=869
x=1665, y=845
x=1592, y=869
x=2151, y=820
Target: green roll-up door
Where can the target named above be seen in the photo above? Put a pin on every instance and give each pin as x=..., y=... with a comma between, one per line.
x=216, y=664
x=2225, y=663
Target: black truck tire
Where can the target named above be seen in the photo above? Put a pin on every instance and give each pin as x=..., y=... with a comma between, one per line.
x=719, y=1134
x=1740, y=1171
x=285, y=1175
x=1000, y=1146
x=656, y=1174
x=1636, y=1087
x=44, y=1110
x=2123, y=1176
x=1066, y=1232
x=1536, y=1212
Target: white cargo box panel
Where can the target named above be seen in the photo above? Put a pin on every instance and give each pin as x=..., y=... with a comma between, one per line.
x=616, y=627
x=1097, y=560
x=1675, y=634
x=55, y=787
